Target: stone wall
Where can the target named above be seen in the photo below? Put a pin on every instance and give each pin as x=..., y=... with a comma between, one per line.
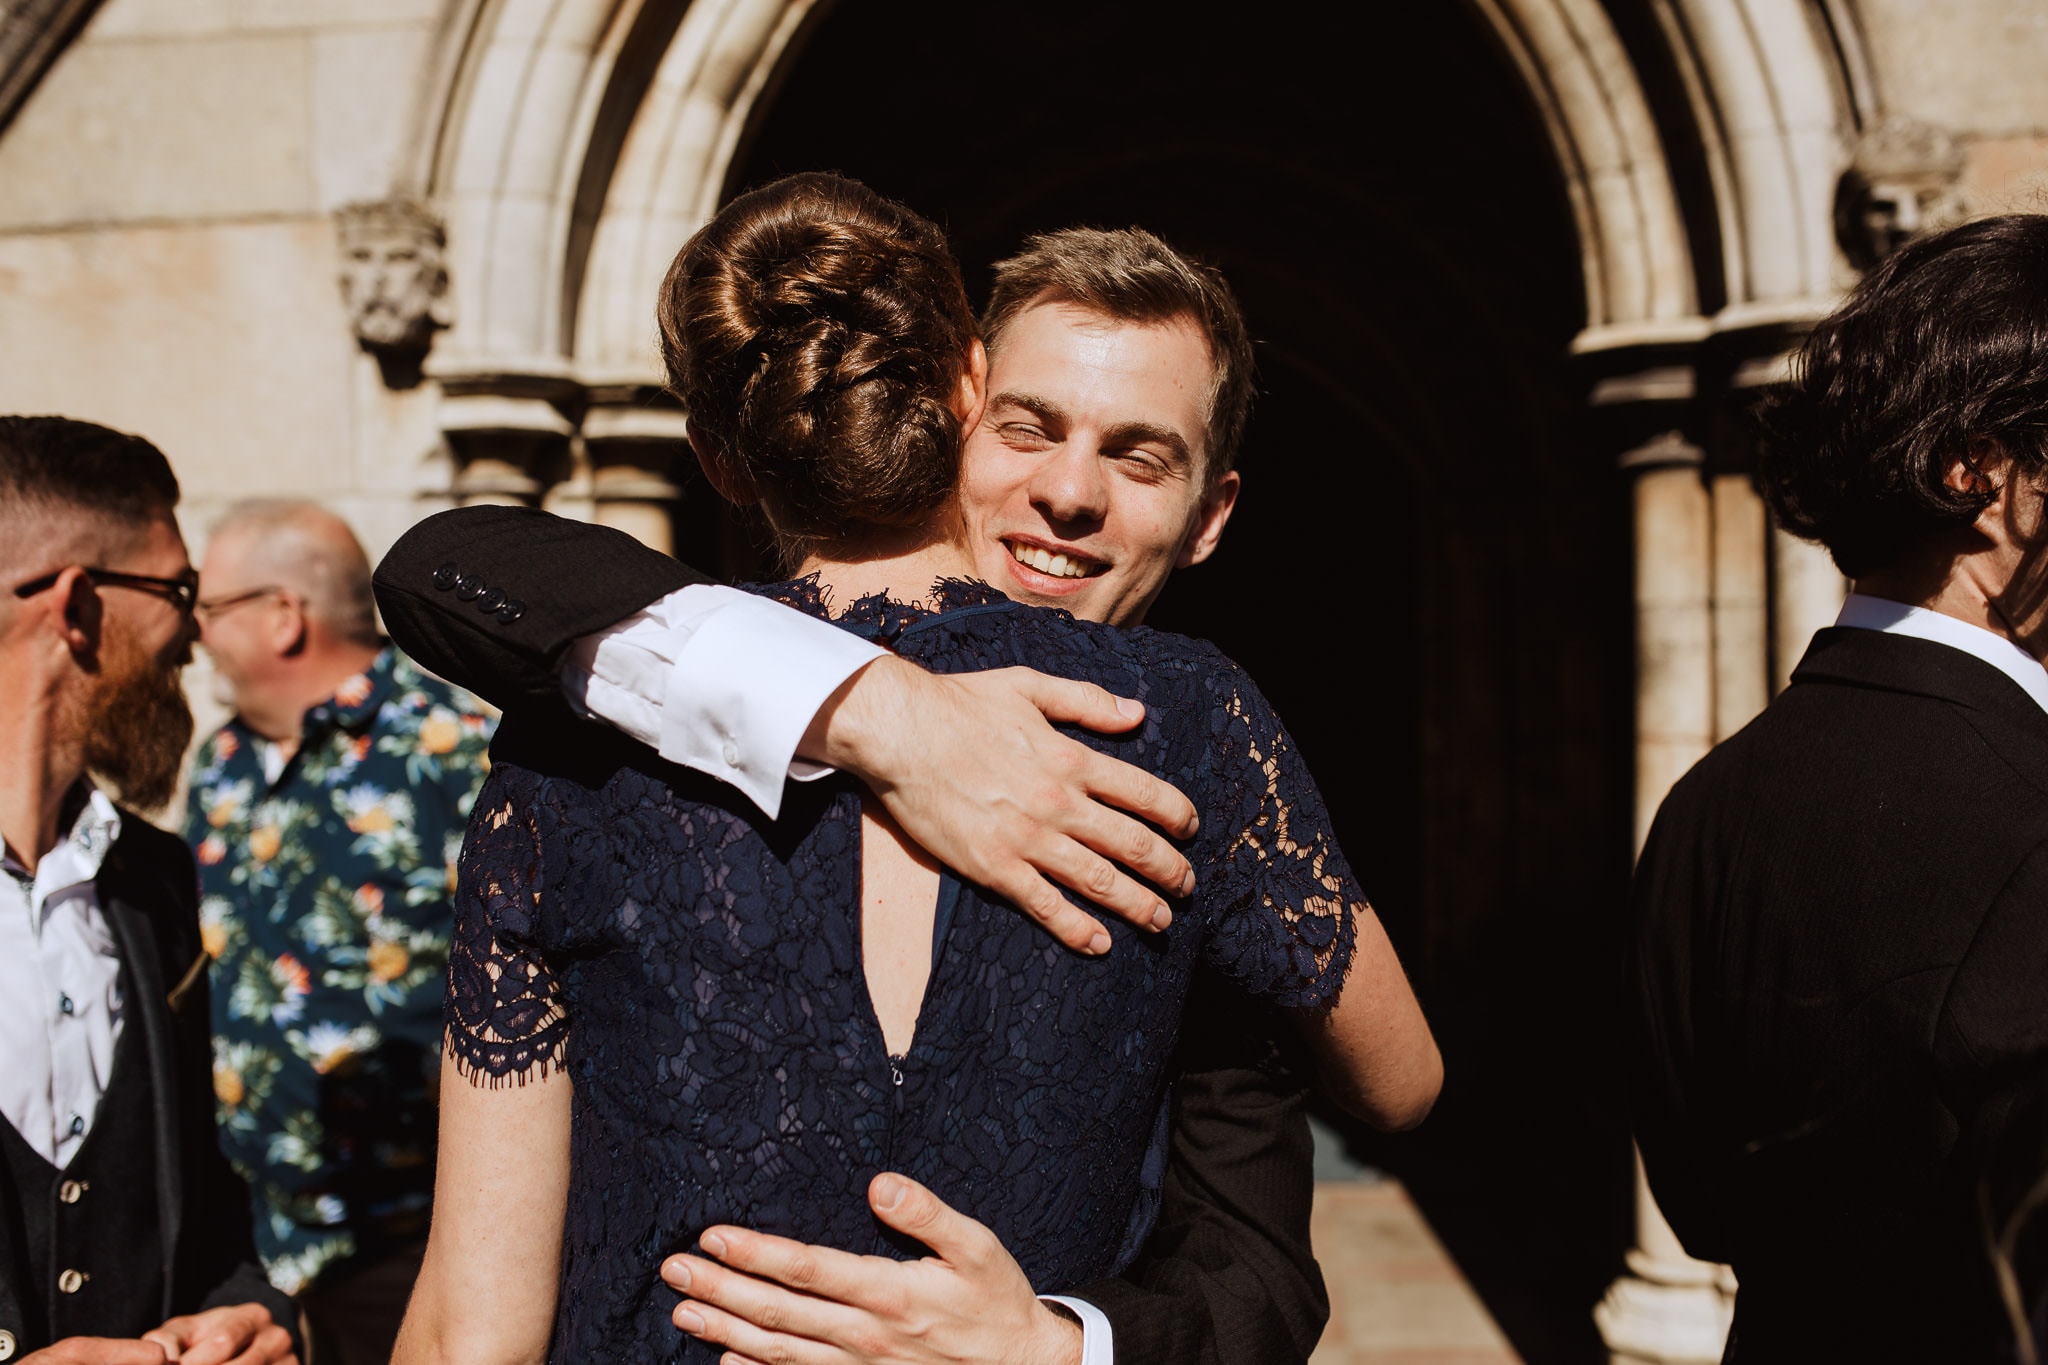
x=167, y=247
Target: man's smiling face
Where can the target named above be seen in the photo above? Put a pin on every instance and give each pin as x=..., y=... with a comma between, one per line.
x=1086, y=481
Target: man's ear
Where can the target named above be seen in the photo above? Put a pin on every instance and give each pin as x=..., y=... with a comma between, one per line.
x=972, y=396
x=80, y=614
x=1210, y=519
x=1981, y=468
x=723, y=474
x=290, y=626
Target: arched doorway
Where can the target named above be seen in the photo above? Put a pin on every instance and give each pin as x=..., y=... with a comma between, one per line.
x=1681, y=181
x=1424, y=573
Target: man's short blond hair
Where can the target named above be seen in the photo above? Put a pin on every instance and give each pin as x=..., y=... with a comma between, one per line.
x=1129, y=275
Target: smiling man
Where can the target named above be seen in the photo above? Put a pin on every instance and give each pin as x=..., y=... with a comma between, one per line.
x=1120, y=378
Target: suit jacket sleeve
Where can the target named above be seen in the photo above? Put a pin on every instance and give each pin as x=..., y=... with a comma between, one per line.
x=492, y=598
x=1227, y=1274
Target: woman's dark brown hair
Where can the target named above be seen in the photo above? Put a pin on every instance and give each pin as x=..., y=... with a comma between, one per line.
x=817, y=333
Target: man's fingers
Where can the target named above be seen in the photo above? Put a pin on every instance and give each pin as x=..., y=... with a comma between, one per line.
x=1112, y=780
x=99, y=1351
x=1077, y=703
x=1022, y=886
x=1074, y=865
x=910, y=1208
x=1134, y=845
x=743, y=1338
x=1132, y=789
x=762, y=1303
x=824, y=1273
x=272, y=1346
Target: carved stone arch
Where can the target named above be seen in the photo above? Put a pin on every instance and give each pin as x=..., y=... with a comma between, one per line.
x=570, y=145
x=1635, y=259
x=1776, y=88
x=671, y=169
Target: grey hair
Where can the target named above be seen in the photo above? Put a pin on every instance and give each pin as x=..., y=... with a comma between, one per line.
x=307, y=549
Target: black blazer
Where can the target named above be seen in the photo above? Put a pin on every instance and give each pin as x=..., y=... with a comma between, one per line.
x=149, y=892
x=1839, y=962
x=1227, y=1275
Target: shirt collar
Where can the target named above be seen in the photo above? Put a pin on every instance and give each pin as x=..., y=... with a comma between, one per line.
x=1896, y=618
x=356, y=701
x=82, y=849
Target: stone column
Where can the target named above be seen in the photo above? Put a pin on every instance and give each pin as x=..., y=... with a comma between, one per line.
x=1669, y=1308
x=633, y=448
x=509, y=436
x=1742, y=603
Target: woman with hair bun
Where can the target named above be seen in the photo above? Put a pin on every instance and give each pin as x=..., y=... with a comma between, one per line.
x=668, y=1011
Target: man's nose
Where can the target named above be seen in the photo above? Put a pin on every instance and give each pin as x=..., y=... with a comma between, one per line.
x=1071, y=486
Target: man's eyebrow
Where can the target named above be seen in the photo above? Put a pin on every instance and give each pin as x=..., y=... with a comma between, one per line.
x=1150, y=433
x=1031, y=403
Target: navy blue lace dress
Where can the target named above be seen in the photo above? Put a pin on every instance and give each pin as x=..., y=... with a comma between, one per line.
x=696, y=969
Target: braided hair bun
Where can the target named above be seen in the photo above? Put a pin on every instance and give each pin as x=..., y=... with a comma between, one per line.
x=817, y=333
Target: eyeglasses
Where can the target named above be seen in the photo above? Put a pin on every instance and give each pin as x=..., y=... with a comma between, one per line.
x=208, y=610
x=181, y=592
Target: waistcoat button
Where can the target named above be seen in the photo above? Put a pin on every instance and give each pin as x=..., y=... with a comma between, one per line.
x=71, y=1281
x=71, y=1191
x=6, y=1345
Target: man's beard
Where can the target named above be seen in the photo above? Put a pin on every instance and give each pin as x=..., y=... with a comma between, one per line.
x=137, y=726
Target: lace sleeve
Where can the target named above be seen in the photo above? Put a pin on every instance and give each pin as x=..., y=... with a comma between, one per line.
x=503, y=1015
x=1289, y=901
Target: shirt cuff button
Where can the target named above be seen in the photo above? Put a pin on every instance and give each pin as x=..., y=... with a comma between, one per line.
x=732, y=754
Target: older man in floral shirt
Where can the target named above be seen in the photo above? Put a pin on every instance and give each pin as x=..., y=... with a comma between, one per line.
x=326, y=817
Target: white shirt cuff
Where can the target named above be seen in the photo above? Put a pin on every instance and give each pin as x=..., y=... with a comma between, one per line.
x=719, y=680
x=1098, y=1341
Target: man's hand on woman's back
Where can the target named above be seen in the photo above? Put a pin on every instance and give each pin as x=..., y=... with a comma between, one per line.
x=970, y=766
x=769, y=1299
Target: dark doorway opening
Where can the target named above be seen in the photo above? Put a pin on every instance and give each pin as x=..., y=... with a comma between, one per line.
x=1426, y=573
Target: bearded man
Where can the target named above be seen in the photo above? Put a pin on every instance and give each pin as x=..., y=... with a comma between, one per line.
x=124, y=1236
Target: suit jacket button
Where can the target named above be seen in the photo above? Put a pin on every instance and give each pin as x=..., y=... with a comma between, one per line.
x=71, y=1191
x=71, y=1281
x=469, y=587
x=446, y=577
x=511, y=611
x=6, y=1344
x=491, y=600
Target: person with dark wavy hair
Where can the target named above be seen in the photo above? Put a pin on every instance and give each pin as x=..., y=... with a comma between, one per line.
x=1840, y=917
x=670, y=1012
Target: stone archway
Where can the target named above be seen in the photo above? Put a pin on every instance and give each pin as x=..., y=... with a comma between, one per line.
x=573, y=143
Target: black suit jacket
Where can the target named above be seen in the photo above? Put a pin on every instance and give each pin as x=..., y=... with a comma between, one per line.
x=1227, y=1275
x=1840, y=962
x=149, y=893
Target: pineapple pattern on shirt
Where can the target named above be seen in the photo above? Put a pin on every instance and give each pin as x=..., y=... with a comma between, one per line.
x=326, y=910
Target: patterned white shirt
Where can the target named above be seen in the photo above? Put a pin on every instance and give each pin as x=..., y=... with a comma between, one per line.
x=60, y=987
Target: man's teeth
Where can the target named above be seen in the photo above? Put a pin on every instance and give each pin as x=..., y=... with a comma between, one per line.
x=1046, y=562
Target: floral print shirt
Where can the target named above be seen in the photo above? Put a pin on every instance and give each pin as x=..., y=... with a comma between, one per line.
x=326, y=909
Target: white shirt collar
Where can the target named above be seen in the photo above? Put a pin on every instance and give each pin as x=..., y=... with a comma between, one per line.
x=1896, y=618
x=78, y=855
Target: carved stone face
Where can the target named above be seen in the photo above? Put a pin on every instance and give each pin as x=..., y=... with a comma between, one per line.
x=1890, y=213
x=393, y=279
x=1903, y=181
